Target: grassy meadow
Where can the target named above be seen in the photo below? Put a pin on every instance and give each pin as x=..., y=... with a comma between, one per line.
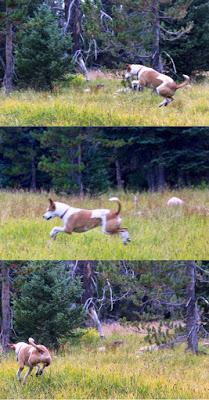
x=74, y=106
x=156, y=231
x=84, y=372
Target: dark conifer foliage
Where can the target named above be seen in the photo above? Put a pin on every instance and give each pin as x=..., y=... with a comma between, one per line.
x=52, y=299
x=94, y=160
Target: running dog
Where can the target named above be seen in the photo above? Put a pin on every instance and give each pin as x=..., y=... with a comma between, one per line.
x=31, y=355
x=81, y=220
x=148, y=77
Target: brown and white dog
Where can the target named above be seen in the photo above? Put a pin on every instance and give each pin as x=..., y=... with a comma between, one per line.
x=148, y=77
x=31, y=355
x=81, y=220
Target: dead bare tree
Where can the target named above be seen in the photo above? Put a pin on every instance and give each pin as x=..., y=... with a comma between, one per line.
x=192, y=317
x=73, y=24
x=86, y=272
x=159, y=29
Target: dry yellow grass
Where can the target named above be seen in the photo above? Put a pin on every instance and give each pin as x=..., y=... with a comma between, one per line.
x=86, y=373
x=74, y=107
x=157, y=231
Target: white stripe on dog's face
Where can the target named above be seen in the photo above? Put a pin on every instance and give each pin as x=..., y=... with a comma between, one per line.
x=49, y=214
x=128, y=75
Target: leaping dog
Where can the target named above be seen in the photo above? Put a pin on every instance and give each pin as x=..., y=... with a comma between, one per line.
x=148, y=77
x=31, y=355
x=81, y=220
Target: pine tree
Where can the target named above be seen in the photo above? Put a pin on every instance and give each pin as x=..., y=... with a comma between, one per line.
x=46, y=304
x=41, y=51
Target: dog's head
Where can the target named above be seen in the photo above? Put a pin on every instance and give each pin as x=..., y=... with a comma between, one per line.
x=132, y=69
x=128, y=72
x=51, y=210
x=12, y=346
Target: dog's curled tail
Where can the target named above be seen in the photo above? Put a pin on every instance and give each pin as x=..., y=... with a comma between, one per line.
x=37, y=347
x=184, y=83
x=119, y=204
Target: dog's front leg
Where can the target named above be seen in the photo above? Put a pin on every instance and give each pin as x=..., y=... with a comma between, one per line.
x=42, y=369
x=38, y=368
x=55, y=231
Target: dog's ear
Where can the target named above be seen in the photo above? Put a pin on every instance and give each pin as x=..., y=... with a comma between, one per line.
x=51, y=204
x=128, y=67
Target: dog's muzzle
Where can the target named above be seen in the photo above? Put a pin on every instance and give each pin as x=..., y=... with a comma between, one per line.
x=47, y=218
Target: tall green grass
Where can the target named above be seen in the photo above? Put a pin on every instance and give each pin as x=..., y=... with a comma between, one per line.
x=73, y=106
x=157, y=231
x=86, y=373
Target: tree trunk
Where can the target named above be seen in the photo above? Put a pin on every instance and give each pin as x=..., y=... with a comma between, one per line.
x=118, y=175
x=73, y=19
x=33, y=174
x=156, y=60
x=73, y=22
x=191, y=308
x=160, y=177
x=5, y=304
x=9, y=65
x=85, y=270
x=80, y=182
x=151, y=179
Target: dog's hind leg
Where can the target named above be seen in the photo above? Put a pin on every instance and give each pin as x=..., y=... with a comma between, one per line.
x=124, y=236
x=19, y=373
x=104, y=224
x=163, y=103
x=166, y=102
x=27, y=374
x=164, y=91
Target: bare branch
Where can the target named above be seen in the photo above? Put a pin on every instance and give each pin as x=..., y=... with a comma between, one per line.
x=175, y=35
x=69, y=16
x=173, y=64
x=202, y=269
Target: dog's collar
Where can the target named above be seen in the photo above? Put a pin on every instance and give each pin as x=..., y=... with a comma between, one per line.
x=140, y=69
x=61, y=216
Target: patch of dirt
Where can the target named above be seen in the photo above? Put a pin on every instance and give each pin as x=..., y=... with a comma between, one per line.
x=94, y=74
x=141, y=328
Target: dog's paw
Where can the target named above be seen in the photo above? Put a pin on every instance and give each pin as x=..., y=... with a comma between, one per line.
x=53, y=234
x=127, y=241
x=38, y=373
